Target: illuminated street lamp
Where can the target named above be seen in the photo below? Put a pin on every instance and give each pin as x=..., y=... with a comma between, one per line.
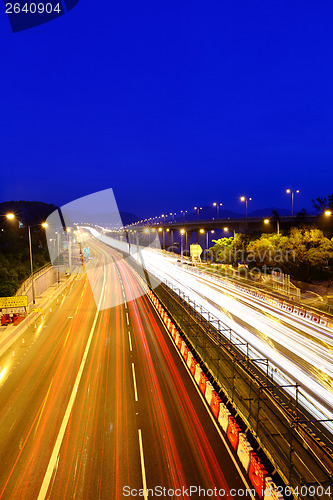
x=182, y=232
x=226, y=230
x=11, y=216
x=289, y=191
x=198, y=210
x=217, y=205
x=161, y=230
x=327, y=213
x=267, y=221
x=244, y=198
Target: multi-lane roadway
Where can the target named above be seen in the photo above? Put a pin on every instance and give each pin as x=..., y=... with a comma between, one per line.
x=96, y=402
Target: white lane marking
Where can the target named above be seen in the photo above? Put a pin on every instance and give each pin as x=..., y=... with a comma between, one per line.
x=54, y=457
x=134, y=382
x=125, y=305
x=130, y=340
x=143, y=469
x=226, y=444
x=127, y=318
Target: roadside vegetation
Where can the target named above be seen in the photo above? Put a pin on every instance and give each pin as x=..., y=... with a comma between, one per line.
x=14, y=243
x=305, y=253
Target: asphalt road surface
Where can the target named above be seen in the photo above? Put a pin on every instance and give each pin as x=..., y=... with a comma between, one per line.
x=98, y=404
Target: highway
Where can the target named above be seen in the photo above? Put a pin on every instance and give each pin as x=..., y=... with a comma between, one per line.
x=302, y=353
x=96, y=403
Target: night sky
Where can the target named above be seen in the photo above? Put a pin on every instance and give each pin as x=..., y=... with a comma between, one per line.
x=171, y=104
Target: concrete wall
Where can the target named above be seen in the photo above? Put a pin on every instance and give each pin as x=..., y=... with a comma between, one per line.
x=43, y=279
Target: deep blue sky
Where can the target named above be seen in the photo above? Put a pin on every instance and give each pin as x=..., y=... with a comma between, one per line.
x=171, y=104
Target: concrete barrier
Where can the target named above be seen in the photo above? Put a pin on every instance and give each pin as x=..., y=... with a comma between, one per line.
x=257, y=475
x=197, y=373
x=209, y=392
x=223, y=418
x=203, y=383
x=215, y=404
x=189, y=359
x=233, y=433
x=244, y=451
x=271, y=492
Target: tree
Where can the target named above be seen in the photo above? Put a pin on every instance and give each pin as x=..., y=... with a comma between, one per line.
x=323, y=203
x=305, y=254
x=231, y=250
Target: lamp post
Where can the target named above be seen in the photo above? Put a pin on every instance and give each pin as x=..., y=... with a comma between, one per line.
x=198, y=210
x=11, y=216
x=244, y=198
x=217, y=205
x=58, y=249
x=289, y=191
x=182, y=232
x=267, y=221
x=161, y=230
x=226, y=230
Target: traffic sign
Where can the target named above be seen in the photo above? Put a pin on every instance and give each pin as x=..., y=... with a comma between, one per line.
x=13, y=310
x=18, y=301
x=195, y=250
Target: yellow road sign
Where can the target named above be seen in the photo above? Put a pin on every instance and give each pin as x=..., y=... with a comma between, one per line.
x=18, y=301
x=195, y=250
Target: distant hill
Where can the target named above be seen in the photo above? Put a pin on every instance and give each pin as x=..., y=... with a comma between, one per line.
x=207, y=213
x=34, y=212
x=28, y=212
x=267, y=212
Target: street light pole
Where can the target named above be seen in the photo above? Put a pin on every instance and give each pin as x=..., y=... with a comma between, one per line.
x=11, y=216
x=246, y=199
x=31, y=268
x=207, y=244
x=217, y=205
x=289, y=191
x=58, y=252
x=182, y=231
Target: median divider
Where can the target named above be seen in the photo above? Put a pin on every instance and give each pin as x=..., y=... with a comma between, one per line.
x=258, y=475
